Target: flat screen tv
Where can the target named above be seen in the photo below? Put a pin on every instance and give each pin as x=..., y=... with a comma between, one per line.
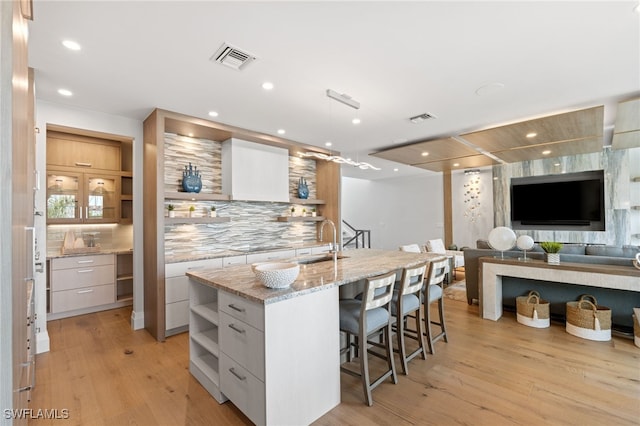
x=571, y=201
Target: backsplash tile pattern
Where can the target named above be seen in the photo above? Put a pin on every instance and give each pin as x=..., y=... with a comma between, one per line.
x=253, y=225
x=202, y=153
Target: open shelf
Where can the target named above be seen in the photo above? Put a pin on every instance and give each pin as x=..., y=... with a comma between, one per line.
x=195, y=196
x=176, y=220
x=300, y=218
x=306, y=201
x=207, y=311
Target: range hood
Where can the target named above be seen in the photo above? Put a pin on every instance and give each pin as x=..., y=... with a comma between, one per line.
x=255, y=172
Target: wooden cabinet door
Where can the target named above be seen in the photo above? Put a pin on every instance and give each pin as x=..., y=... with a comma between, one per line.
x=64, y=149
x=101, y=200
x=64, y=197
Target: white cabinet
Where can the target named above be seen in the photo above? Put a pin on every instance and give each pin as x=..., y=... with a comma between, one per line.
x=270, y=256
x=268, y=179
x=242, y=366
x=177, y=292
x=204, y=352
x=234, y=260
x=321, y=249
x=81, y=282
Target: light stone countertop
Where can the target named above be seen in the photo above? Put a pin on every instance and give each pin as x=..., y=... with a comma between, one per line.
x=57, y=254
x=354, y=265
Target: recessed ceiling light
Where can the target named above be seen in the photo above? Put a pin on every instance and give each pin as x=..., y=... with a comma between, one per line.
x=65, y=92
x=71, y=45
x=281, y=131
x=213, y=114
x=190, y=135
x=546, y=152
x=424, y=154
x=456, y=164
x=328, y=143
x=532, y=135
x=395, y=170
x=267, y=85
x=356, y=121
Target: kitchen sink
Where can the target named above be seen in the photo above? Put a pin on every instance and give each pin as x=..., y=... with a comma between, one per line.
x=309, y=260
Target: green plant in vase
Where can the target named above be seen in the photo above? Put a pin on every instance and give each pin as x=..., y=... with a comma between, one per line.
x=191, y=210
x=171, y=209
x=212, y=212
x=293, y=211
x=551, y=249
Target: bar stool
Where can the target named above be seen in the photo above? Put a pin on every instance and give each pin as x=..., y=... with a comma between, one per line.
x=363, y=318
x=434, y=291
x=406, y=301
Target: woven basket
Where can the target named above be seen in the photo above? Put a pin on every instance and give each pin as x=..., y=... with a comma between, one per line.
x=532, y=311
x=586, y=319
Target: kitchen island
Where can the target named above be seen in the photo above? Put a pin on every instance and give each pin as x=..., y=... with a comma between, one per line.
x=275, y=352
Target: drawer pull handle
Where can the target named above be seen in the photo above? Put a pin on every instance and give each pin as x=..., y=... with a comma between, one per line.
x=85, y=291
x=85, y=261
x=239, y=376
x=236, y=329
x=235, y=308
x=84, y=271
x=80, y=164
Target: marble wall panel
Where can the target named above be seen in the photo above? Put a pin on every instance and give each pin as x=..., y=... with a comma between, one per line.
x=205, y=154
x=617, y=194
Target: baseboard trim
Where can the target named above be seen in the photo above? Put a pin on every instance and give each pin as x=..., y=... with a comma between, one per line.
x=137, y=320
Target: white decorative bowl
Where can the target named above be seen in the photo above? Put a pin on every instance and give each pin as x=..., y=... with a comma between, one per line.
x=277, y=275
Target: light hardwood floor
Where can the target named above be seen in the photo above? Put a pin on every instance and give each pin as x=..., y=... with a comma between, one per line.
x=489, y=373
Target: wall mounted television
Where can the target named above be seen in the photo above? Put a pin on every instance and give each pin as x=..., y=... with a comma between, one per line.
x=570, y=201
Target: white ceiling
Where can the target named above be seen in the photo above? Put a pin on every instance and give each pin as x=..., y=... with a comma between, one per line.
x=398, y=59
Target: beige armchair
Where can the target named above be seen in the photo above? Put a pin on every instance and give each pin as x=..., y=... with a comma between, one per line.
x=437, y=246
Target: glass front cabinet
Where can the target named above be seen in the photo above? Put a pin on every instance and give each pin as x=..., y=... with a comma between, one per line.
x=82, y=197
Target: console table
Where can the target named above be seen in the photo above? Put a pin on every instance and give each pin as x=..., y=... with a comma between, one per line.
x=492, y=270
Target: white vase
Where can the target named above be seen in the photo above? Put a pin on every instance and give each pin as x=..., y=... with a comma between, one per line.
x=552, y=258
x=212, y=213
x=172, y=213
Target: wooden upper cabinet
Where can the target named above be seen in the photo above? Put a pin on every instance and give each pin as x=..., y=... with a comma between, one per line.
x=65, y=149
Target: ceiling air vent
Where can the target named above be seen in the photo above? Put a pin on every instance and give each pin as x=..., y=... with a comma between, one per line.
x=422, y=117
x=232, y=57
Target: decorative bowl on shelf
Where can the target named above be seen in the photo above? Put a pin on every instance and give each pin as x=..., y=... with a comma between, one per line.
x=277, y=275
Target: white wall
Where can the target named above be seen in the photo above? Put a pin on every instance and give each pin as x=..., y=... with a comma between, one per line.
x=52, y=113
x=398, y=211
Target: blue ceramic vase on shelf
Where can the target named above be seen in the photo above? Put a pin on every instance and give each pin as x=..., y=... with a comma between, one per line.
x=191, y=179
x=303, y=189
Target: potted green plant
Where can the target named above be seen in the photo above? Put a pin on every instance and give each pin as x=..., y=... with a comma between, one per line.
x=551, y=249
x=171, y=209
x=313, y=212
x=191, y=210
x=304, y=212
x=293, y=211
x=212, y=212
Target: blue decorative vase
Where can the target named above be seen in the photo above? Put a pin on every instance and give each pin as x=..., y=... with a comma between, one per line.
x=303, y=189
x=191, y=179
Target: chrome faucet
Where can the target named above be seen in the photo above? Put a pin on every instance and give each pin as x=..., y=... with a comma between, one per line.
x=334, y=245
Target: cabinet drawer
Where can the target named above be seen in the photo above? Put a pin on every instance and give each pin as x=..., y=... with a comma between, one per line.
x=176, y=289
x=82, y=261
x=269, y=256
x=243, y=389
x=234, y=260
x=242, y=343
x=66, y=279
x=240, y=308
x=303, y=252
x=178, y=269
x=177, y=314
x=68, y=300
